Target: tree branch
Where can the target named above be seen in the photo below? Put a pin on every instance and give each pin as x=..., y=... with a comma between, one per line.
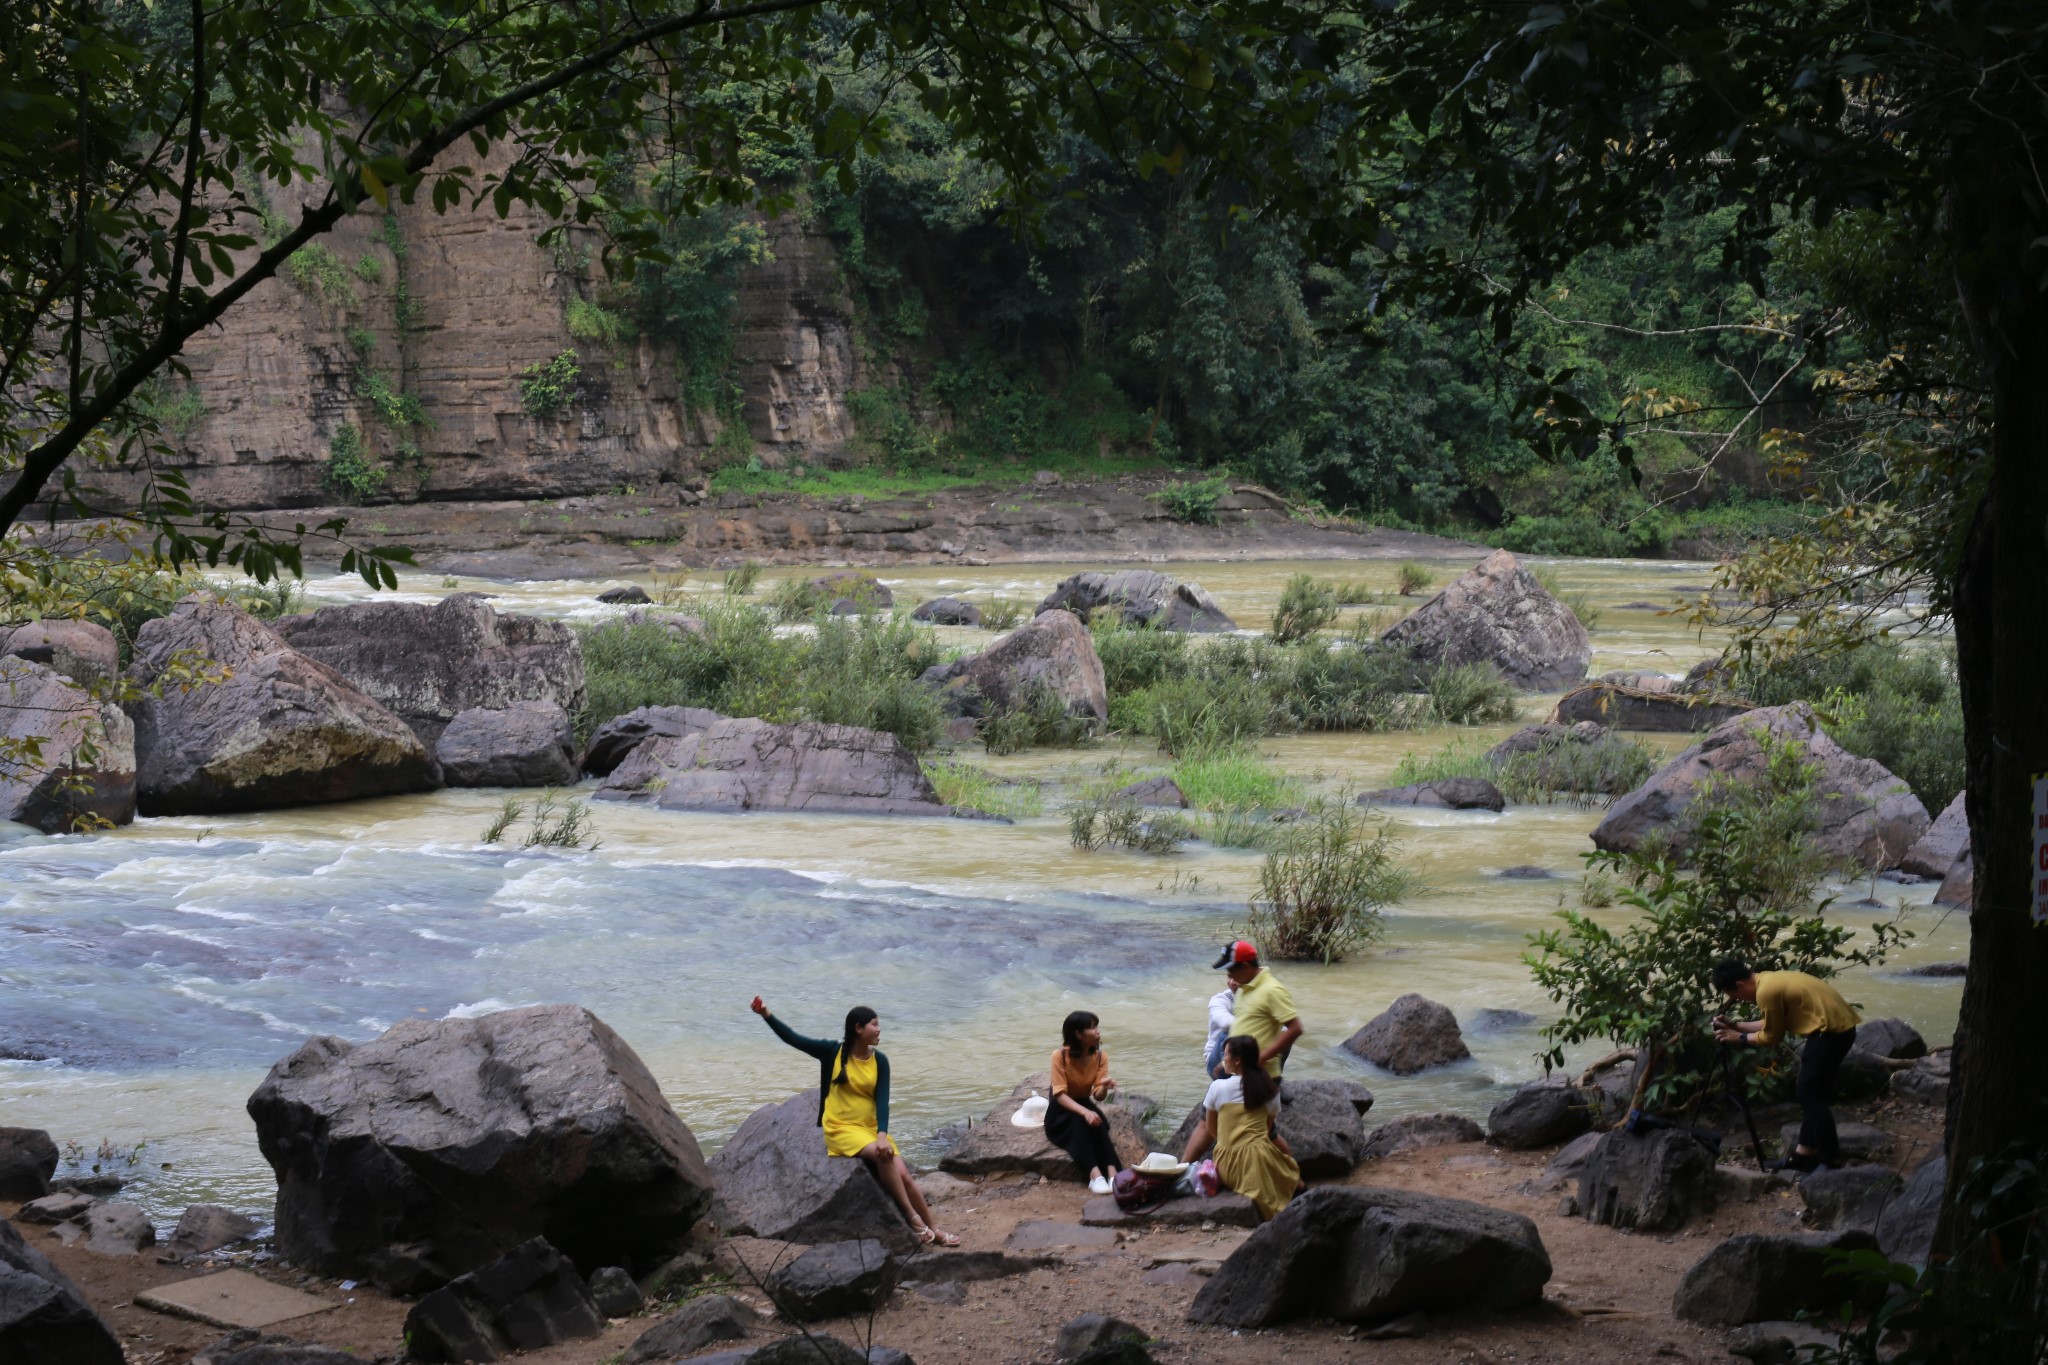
x=193, y=146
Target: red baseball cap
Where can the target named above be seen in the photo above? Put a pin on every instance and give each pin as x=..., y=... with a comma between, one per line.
x=1239, y=954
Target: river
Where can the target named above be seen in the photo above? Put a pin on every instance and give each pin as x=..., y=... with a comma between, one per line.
x=160, y=969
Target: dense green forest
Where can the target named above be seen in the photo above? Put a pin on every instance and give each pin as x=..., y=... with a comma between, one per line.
x=1146, y=322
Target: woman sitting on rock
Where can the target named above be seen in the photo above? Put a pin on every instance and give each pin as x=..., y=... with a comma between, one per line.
x=1241, y=1115
x=1074, y=1120
x=853, y=1109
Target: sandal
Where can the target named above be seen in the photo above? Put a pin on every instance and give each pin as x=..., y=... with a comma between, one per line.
x=925, y=1236
x=944, y=1239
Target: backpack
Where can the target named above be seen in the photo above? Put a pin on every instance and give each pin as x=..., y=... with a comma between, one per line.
x=1134, y=1190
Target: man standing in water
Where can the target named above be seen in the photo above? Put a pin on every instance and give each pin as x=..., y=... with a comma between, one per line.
x=1264, y=1009
x=1804, y=1006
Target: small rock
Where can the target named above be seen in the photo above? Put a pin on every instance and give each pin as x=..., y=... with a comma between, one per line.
x=526, y=1299
x=1091, y=1330
x=61, y=1207
x=1959, y=884
x=82, y=651
x=1038, y=1234
x=794, y=1349
x=1501, y=1021
x=1412, y=1034
x=1449, y=793
x=1141, y=597
x=1939, y=969
x=888, y=1355
x=943, y=1293
x=251, y=1347
x=1401, y=1328
x=1413, y=1131
x=1526, y=872
x=1045, y=478
x=1539, y=1114
x=947, y=611
x=1174, y=1275
x=834, y=1279
x=698, y=1323
x=118, y=1229
x=1946, y=840
x=28, y=1158
x=1894, y=1038
x=1568, y=1206
x=622, y=734
x=1154, y=791
x=865, y=591
x=615, y=1293
x=208, y=1227
x=1653, y=1182
x=1851, y=1197
x=526, y=744
x=1780, y=1343
x=630, y=595
x=1924, y=1082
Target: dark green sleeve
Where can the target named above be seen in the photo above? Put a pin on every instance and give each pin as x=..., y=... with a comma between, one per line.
x=816, y=1047
x=881, y=1093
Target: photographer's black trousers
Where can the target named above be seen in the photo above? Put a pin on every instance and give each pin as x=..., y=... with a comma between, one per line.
x=1819, y=1060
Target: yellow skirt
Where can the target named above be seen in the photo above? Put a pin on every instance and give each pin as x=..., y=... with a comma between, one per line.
x=850, y=1111
x=1248, y=1162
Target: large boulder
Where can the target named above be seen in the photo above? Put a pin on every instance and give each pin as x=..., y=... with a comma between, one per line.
x=1539, y=1114
x=209, y=1227
x=526, y=744
x=774, y=1180
x=1559, y=758
x=747, y=764
x=1849, y=1196
x=1052, y=650
x=1652, y=1182
x=1924, y=1082
x=82, y=651
x=995, y=1146
x=1765, y=1277
x=443, y=1144
x=281, y=729
x=865, y=591
x=832, y=1280
x=1412, y=1132
x=1446, y=793
x=1322, y=1122
x=528, y=1298
x=1892, y=1038
x=1354, y=1253
x=67, y=760
x=118, y=1229
x=28, y=1158
x=1410, y=1035
x=44, y=1319
x=428, y=662
x=1905, y=1229
x=1864, y=813
x=1139, y=597
x=1946, y=840
x=1665, y=710
x=1959, y=884
x=1497, y=613
x=622, y=734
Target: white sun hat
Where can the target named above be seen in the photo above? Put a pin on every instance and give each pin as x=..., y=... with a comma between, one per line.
x=1161, y=1163
x=1031, y=1113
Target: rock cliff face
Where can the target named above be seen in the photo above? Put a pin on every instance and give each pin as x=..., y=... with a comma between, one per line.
x=448, y=309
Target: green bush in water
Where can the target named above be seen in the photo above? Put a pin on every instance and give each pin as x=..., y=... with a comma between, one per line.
x=1560, y=770
x=1135, y=657
x=1112, y=822
x=1468, y=694
x=1037, y=719
x=1234, y=778
x=1306, y=607
x=1326, y=883
x=968, y=785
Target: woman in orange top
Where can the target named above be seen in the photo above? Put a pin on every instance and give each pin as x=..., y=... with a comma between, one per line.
x=1074, y=1121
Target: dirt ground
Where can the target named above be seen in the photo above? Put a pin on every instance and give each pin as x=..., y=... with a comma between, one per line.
x=1609, y=1297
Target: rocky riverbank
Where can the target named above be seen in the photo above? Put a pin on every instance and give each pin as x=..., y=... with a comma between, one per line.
x=669, y=527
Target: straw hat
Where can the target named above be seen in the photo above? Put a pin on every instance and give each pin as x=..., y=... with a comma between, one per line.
x=1031, y=1113
x=1161, y=1163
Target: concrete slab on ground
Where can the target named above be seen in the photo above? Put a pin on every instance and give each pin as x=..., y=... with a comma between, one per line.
x=232, y=1298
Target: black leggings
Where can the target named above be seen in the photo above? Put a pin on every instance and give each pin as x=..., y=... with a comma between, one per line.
x=1819, y=1060
x=1089, y=1144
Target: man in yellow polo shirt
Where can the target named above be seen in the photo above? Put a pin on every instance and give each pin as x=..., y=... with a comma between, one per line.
x=1803, y=1006
x=1264, y=1009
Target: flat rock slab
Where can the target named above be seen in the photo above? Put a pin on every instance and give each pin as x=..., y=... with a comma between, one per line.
x=232, y=1298
x=1039, y=1234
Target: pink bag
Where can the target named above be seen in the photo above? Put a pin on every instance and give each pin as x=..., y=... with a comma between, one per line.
x=1204, y=1178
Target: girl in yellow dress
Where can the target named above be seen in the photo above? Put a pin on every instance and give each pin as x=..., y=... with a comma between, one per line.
x=1240, y=1114
x=853, y=1109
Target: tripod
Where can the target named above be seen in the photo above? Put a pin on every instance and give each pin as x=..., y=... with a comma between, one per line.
x=1733, y=1084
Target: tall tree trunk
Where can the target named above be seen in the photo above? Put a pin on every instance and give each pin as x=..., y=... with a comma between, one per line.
x=2000, y=1090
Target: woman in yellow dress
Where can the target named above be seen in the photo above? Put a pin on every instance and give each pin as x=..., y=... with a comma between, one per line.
x=853, y=1109
x=1240, y=1115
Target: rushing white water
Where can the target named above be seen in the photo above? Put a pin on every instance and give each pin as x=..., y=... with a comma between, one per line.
x=160, y=969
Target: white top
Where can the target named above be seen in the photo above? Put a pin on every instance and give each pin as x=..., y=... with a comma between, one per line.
x=1221, y=1017
x=1230, y=1090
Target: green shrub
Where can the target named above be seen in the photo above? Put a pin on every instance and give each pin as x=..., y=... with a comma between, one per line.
x=1324, y=886
x=1039, y=718
x=1559, y=770
x=1240, y=829
x=547, y=388
x=1306, y=607
x=349, y=472
x=319, y=272
x=1233, y=779
x=1580, y=604
x=554, y=823
x=1002, y=613
x=794, y=600
x=1194, y=503
x=1106, y=822
x=1197, y=713
x=1468, y=694
x=588, y=321
x=1411, y=578
x=1900, y=706
x=369, y=269
x=964, y=784
x=1135, y=657
x=1750, y=892
x=1352, y=592
x=740, y=582
x=1353, y=686
x=1460, y=758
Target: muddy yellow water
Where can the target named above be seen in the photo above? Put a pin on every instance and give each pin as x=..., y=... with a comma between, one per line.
x=149, y=976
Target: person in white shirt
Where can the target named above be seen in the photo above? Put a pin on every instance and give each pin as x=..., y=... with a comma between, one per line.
x=1222, y=1015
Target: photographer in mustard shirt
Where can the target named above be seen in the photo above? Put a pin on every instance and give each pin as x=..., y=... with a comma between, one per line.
x=1802, y=1006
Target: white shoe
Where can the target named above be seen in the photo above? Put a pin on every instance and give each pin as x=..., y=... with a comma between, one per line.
x=1099, y=1185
